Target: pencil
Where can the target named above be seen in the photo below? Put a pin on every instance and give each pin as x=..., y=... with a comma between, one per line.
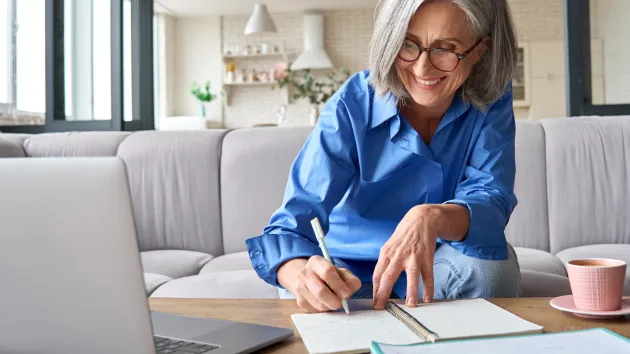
x=319, y=233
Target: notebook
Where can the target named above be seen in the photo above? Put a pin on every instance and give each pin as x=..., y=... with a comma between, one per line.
x=589, y=341
x=336, y=332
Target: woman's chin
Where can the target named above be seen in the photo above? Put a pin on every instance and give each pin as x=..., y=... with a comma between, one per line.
x=427, y=99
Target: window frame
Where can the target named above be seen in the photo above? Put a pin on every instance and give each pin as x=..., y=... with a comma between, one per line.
x=141, y=71
x=578, y=64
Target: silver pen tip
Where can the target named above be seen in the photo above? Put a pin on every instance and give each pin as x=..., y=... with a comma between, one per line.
x=344, y=303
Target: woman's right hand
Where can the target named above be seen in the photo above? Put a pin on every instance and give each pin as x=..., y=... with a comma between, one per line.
x=317, y=284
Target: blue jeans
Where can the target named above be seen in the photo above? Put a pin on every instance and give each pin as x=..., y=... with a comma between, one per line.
x=457, y=276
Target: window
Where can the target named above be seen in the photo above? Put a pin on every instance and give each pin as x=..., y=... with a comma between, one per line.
x=598, y=69
x=87, y=60
x=30, y=53
x=22, y=62
x=5, y=52
x=72, y=65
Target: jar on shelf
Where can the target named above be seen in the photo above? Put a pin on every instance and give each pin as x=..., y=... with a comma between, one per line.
x=253, y=76
x=240, y=76
x=264, y=48
x=230, y=68
x=247, y=49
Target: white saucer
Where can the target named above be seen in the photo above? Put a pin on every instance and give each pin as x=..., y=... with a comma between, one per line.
x=565, y=303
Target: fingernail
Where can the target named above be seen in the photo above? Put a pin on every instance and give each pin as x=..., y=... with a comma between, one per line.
x=411, y=301
x=426, y=298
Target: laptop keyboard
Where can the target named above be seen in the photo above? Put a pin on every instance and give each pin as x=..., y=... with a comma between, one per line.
x=176, y=346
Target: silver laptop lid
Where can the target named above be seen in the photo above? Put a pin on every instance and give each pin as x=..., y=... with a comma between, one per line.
x=70, y=271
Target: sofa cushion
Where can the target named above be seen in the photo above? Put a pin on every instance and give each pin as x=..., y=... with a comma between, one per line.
x=9, y=148
x=529, y=224
x=588, y=181
x=234, y=261
x=174, y=263
x=17, y=138
x=229, y=284
x=174, y=182
x=74, y=144
x=538, y=284
x=540, y=261
x=254, y=170
x=152, y=281
x=621, y=252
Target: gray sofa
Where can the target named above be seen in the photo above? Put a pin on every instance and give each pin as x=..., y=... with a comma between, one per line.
x=198, y=195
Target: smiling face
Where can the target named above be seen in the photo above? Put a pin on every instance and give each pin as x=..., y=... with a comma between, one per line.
x=437, y=24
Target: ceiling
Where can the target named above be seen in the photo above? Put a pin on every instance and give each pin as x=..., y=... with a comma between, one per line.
x=193, y=8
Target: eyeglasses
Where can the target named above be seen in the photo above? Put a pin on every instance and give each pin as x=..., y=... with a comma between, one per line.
x=442, y=59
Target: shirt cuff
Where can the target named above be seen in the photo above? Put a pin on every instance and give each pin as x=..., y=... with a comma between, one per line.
x=485, y=237
x=267, y=252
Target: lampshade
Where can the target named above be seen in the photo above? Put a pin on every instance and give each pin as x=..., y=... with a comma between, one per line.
x=260, y=21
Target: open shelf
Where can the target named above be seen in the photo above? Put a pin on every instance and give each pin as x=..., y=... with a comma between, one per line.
x=255, y=83
x=254, y=56
x=228, y=86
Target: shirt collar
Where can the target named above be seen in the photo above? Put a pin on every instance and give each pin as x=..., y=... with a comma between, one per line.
x=457, y=109
x=384, y=108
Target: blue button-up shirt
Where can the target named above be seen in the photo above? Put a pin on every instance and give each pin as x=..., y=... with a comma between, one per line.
x=364, y=166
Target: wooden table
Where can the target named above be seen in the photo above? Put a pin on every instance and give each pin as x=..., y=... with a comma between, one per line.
x=277, y=313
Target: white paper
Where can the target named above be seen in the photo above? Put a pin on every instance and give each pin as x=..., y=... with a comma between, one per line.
x=581, y=342
x=336, y=332
x=469, y=319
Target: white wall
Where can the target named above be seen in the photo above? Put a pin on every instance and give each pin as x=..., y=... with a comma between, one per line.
x=197, y=57
x=613, y=28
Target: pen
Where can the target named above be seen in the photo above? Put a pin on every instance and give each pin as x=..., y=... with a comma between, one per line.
x=319, y=233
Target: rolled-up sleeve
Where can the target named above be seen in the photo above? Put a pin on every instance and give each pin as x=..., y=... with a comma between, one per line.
x=318, y=179
x=487, y=190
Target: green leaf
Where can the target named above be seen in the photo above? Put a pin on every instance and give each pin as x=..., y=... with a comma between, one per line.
x=203, y=96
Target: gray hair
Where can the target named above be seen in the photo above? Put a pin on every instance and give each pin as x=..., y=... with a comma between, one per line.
x=489, y=77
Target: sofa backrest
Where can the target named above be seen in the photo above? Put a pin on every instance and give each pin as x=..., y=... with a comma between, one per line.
x=588, y=179
x=529, y=224
x=208, y=191
x=9, y=147
x=254, y=170
x=174, y=182
x=74, y=144
x=173, y=178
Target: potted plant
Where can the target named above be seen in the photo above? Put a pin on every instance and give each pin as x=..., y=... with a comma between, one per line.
x=317, y=90
x=203, y=95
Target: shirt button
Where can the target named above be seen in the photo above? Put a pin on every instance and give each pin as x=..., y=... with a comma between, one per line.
x=256, y=253
x=260, y=266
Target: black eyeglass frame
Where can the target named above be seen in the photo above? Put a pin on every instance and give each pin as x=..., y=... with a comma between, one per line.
x=430, y=50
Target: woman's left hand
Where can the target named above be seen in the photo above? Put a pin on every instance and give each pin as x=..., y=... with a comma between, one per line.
x=411, y=248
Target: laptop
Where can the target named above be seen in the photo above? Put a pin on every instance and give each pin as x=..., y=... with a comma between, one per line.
x=70, y=271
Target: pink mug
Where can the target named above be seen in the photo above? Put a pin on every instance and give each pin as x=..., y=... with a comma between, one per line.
x=597, y=283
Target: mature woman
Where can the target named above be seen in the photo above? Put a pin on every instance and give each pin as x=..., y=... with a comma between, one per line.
x=410, y=168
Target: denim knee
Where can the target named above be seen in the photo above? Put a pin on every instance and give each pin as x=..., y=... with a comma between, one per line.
x=481, y=278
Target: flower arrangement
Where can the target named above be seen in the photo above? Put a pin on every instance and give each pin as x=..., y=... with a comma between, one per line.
x=316, y=90
x=203, y=95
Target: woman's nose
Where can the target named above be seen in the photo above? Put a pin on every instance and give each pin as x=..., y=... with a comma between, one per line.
x=423, y=65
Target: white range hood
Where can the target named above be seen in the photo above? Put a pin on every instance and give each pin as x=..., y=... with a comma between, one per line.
x=314, y=55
